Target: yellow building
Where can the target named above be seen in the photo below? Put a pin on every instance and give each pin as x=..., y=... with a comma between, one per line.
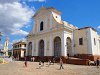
x=19, y=49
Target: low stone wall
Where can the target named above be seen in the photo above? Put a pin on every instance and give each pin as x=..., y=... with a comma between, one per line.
x=78, y=61
x=65, y=60
x=87, y=56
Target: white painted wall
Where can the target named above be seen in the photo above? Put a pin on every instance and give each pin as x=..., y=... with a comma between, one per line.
x=64, y=36
x=88, y=31
x=94, y=47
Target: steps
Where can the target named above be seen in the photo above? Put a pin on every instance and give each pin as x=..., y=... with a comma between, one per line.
x=77, y=61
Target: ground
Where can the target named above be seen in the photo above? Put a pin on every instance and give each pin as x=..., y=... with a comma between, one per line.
x=18, y=68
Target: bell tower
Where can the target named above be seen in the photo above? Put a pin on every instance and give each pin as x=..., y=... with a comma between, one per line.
x=6, y=47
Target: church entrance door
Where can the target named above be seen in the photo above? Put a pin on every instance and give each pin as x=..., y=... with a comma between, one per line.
x=57, y=47
x=41, y=48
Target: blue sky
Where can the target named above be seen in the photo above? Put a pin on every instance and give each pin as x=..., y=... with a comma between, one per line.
x=80, y=13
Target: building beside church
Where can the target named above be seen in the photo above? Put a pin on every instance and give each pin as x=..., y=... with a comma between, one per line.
x=19, y=50
x=53, y=37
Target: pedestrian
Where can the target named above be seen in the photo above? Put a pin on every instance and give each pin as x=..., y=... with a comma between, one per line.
x=25, y=63
x=39, y=64
x=42, y=62
x=68, y=55
x=49, y=62
x=61, y=64
x=53, y=61
x=33, y=59
x=97, y=62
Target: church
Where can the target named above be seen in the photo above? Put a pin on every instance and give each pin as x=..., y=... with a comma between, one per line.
x=52, y=37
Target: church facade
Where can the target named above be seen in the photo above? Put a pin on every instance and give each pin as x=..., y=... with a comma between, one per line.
x=53, y=37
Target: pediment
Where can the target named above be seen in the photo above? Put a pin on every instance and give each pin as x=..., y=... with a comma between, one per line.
x=41, y=11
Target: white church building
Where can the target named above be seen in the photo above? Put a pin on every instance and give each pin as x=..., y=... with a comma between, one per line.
x=52, y=37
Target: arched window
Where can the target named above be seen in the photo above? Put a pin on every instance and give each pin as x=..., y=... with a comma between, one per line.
x=41, y=26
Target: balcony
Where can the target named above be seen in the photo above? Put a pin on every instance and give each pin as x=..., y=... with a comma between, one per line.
x=20, y=48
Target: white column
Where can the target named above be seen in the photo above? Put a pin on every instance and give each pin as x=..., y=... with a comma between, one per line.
x=36, y=48
x=26, y=49
x=45, y=46
x=72, y=44
x=89, y=41
x=51, y=47
x=33, y=48
x=63, y=45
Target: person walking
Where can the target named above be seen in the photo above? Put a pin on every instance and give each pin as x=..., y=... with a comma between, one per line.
x=25, y=63
x=97, y=62
x=33, y=59
x=53, y=61
x=40, y=64
x=49, y=62
x=61, y=64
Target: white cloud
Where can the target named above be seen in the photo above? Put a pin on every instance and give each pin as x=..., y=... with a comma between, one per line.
x=1, y=46
x=20, y=32
x=98, y=27
x=13, y=16
x=17, y=40
x=8, y=1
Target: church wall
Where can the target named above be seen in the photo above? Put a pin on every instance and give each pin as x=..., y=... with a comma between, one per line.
x=66, y=34
x=44, y=16
x=89, y=42
x=98, y=44
x=95, y=43
x=56, y=17
x=26, y=49
x=48, y=43
x=80, y=49
x=88, y=36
